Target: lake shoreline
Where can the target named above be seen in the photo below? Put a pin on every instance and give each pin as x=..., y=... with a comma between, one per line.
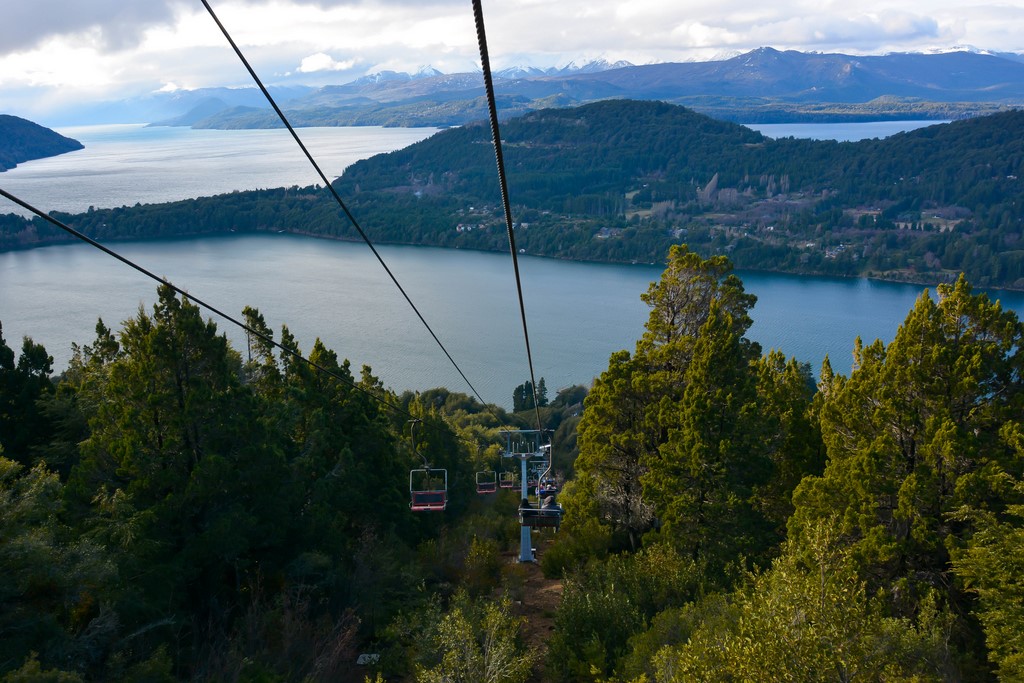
x=207, y=163
x=924, y=282
x=336, y=291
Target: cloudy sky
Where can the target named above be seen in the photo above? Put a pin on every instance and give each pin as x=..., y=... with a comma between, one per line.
x=53, y=52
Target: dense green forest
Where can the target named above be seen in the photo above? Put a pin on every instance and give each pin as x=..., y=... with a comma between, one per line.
x=172, y=508
x=622, y=181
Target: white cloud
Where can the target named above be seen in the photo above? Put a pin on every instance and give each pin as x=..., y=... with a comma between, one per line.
x=324, y=62
x=114, y=24
x=699, y=35
x=103, y=48
x=57, y=64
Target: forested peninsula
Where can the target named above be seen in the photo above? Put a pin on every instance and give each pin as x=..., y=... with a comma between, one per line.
x=174, y=509
x=621, y=181
x=22, y=140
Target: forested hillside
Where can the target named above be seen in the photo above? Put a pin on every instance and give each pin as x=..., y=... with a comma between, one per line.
x=174, y=509
x=622, y=181
x=22, y=140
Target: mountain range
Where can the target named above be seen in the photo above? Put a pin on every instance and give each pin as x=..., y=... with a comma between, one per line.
x=763, y=85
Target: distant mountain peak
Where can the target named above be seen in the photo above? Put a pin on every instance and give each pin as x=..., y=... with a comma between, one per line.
x=720, y=56
x=759, y=56
x=379, y=77
x=427, y=71
x=395, y=77
x=593, y=66
x=958, y=48
x=510, y=73
x=521, y=72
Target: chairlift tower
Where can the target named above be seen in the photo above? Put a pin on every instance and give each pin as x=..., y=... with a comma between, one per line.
x=526, y=447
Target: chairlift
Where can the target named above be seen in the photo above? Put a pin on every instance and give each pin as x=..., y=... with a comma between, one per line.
x=548, y=487
x=548, y=515
x=508, y=480
x=486, y=482
x=428, y=486
x=428, y=490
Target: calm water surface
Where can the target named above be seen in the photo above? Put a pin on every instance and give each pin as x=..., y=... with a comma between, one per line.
x=126, y=164
x=578, y=313
x=843, y=132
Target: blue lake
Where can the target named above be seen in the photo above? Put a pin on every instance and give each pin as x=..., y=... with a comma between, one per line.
x=578, y=313
x=843, y=132
x=125, y=164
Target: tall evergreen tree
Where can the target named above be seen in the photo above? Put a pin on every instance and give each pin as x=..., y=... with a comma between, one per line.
x=678, y=433
x=702, y=479
x=185, y=480
x=542, y=393
x=992, y=565
x=912, y=436
x=23, y=426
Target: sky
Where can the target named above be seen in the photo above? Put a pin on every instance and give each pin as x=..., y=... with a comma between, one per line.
x=55, y=53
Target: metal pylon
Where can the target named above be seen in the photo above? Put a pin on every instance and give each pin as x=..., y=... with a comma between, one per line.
x=524, y=445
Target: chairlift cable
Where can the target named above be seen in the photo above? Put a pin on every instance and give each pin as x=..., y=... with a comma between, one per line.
x=334, y=192
x=503, y=182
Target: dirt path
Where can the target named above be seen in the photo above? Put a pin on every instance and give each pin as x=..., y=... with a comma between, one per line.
x=536, y=603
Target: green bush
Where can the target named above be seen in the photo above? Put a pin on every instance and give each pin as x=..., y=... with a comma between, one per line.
x=483, y=567
x=592, y=628
x=477, y=641
x=575, y=548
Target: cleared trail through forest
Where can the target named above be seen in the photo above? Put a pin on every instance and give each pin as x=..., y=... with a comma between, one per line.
x=536, y=601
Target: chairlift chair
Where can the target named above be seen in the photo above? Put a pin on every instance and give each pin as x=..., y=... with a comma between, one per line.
x=508, y=480
x=548, y=515
x=428, y=490
x=548, y=487
x=486, y=482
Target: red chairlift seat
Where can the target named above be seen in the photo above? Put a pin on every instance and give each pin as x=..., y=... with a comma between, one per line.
x=508, y=480
x=486, y=482
x=428, y=490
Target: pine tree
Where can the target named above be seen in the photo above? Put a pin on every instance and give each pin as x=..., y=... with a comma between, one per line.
x=679, y=433
x=913, y=436
x=23, y=427
x=522, y=397
x=542, y=393
x=184, y=479
x=702, y=479
x=991, y=566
